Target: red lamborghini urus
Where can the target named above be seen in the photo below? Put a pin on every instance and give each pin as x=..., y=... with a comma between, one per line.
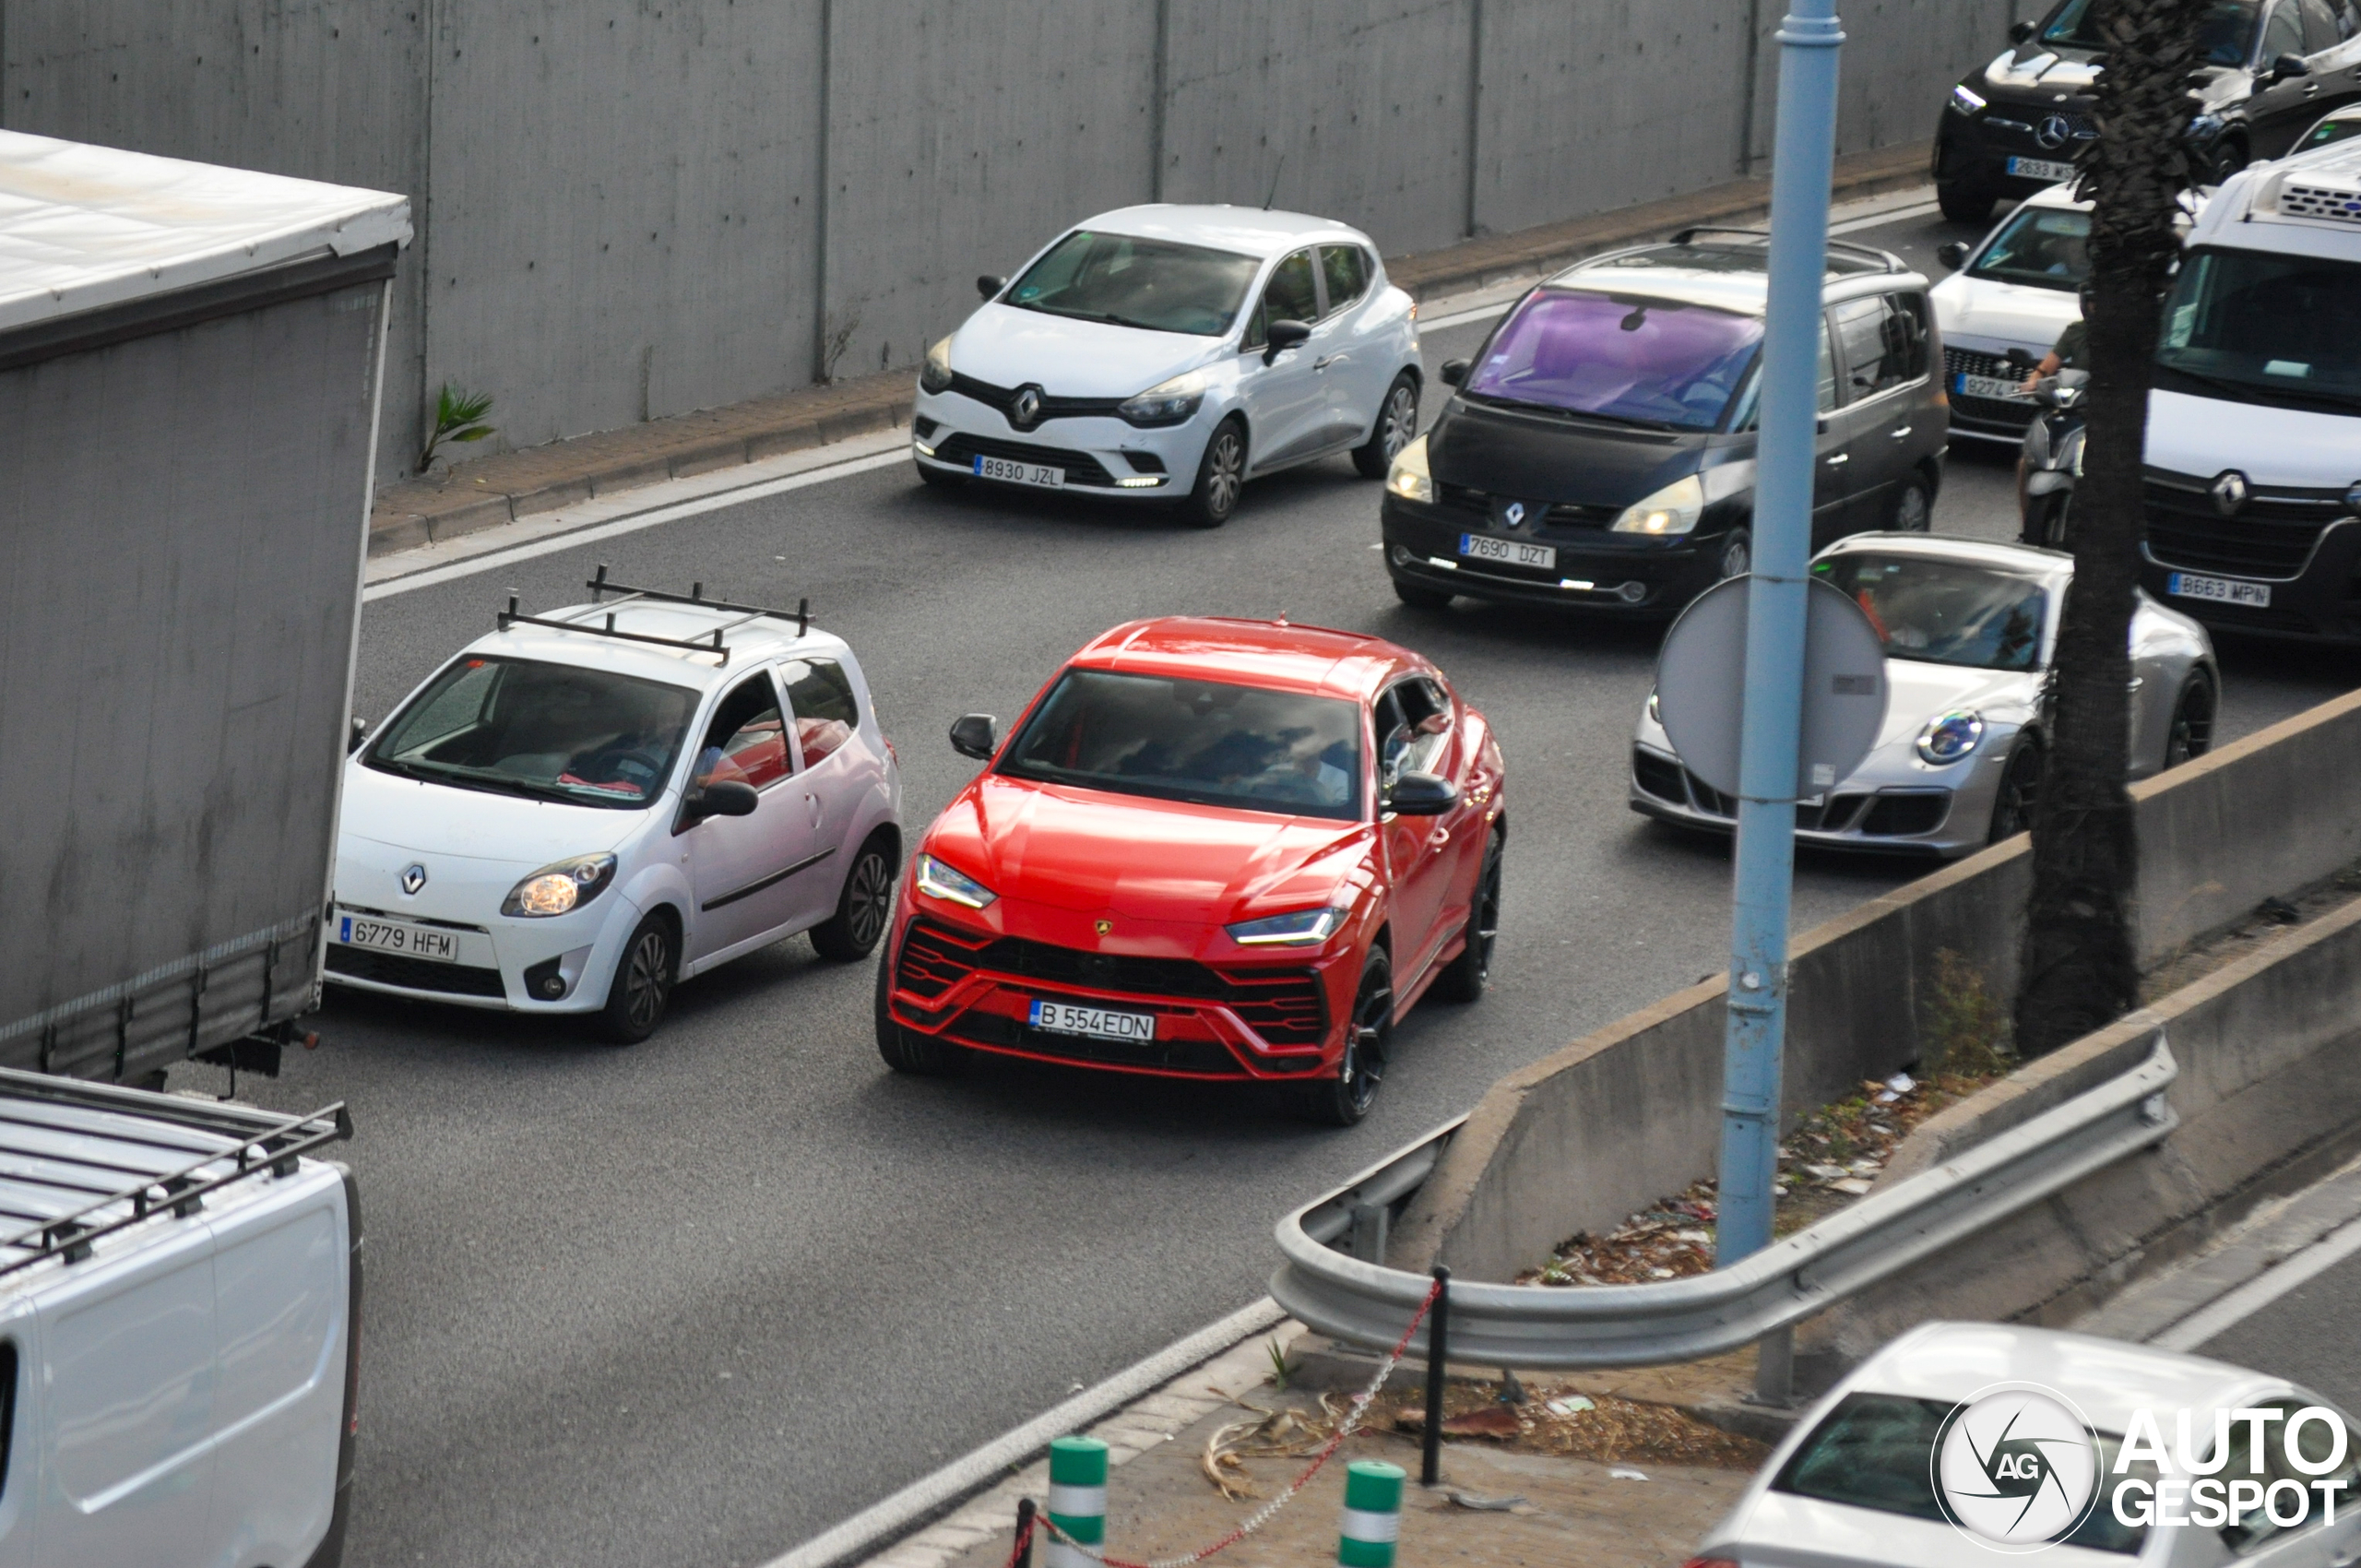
x=1210, y=848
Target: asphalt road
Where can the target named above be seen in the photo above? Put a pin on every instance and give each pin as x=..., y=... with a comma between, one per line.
x=694, y=1301
x=2311, y=1335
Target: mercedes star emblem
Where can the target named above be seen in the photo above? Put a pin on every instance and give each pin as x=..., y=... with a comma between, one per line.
x=413, y=878
x=2229, y=492
x=2053, y=131
x=1026, y=408
x=1515, y=514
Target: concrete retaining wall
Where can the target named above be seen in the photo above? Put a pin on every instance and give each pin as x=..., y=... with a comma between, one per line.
x=1623, y=1116
x=627, y=211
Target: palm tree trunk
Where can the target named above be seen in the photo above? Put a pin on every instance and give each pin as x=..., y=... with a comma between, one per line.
x=2080, y=970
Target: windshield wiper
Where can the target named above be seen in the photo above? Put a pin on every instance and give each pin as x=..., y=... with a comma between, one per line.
x=482, y=779
x=1563, y=412
x=1108, y=317
x=2251, y=391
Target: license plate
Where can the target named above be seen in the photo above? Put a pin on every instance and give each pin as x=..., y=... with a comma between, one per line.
x=1095, y=1023
x=1511, y=552
x=1991, y=386
x=1044, y=475
x=2041, y=169
x=2223, y=591
x=398, y=936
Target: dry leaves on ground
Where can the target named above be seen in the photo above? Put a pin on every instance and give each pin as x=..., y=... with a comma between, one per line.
x=1265, y=1435
x=1601, y=1428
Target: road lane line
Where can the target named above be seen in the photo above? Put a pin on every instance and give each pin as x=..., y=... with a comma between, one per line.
x=932, y=1494
x=2203, y=1325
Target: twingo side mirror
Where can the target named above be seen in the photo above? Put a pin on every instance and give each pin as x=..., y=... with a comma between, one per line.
x=2288, y=65
x=1421, y=794
x=2020, y=32
x=360, y=736
x=976, y=735
x=1953, y=255
x=1453, y=371
x=1282, y=335
x=989, y=286
x=725, y=797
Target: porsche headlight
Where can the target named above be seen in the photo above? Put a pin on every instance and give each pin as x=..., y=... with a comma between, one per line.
x=1409, y=477
x=1965, y=100
x=1302, y=929
x=1672, y=510
x=940, y=881
x=935, y=375
x=1166, y=402
x=1950, y=736
x=561, y=888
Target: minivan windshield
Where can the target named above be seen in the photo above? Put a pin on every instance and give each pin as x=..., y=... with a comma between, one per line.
x=1128, y=281
x=1205, y=742
x=2224, y=30
x=2041, y=246
x=2258, y=326
x=1942, y=612
x=1625, y=357
x=546, y=732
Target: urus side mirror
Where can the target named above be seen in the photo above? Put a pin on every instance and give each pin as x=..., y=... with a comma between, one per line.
x=1453, y=371
x=1421, y=794
x=976, y=735
x=1283, y=335
x=989, y=286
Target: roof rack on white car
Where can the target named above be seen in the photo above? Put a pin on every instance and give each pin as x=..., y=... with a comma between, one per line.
x=602, y=585
x=1885, y=260
x=91, y=1160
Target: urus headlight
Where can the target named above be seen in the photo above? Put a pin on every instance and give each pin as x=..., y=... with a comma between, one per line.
x=1672, y=510
x=935, y=375
x=1949, y=737
x=1300, y=928
x=940, y=881
x=1409, y=477
x=1965, y=100
x=1166, y=402
x=561, y=888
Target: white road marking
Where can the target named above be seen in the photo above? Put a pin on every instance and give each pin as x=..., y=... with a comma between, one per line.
x=2201, y=1326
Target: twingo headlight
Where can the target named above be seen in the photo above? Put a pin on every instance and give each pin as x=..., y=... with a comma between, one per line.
x=1409, y=477
x=561, y=888
x=1965, y=100
x=1166, y=402
x=1302, y=929
x=1672, y=510
x=935, y=375
x=941, y=882
x=1949, y=737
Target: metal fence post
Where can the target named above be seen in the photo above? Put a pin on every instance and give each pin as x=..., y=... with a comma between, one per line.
x=1021, y=1554
x=1437, y=1348
x=1774, y=1369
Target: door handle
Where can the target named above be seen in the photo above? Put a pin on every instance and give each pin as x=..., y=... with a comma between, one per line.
x=1324, y=361
x=2134, y=685
x=812, y=804
x=1438, y=837
x=1840, y=459
x=1900, y=432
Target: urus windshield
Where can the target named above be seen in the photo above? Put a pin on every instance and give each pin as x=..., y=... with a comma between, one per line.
x=1622, y=357
x=1942, y=612
x=547, y=732
x=1129, y=281
x=1199, y=741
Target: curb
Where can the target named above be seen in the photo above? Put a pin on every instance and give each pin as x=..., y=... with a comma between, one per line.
x=487, y=491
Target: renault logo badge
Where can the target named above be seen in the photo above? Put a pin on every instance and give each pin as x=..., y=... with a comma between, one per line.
x=1027, y=411
x=1515, y=514
x=1106, y=927
x=413, y=878
x=2053, y=131
x=2229, y=492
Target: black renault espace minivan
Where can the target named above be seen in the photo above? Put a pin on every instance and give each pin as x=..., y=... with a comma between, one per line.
x=1600, y=449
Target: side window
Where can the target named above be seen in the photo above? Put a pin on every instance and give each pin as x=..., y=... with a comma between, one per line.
x=2347, y=16
x=1291, y=295
x=826, y=713
x=459, y=708
x=2282, y=34
x=1827, y=399
x=1345, y=268
x=1870, y=361
x=1907, y=324
x=2316, y=1441
x=746, y=742
x=2321, y=31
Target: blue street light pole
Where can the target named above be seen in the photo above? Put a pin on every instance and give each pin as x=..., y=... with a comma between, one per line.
x=1802, y=158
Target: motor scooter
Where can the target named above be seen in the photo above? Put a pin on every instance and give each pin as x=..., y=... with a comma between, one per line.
x=2051, y=459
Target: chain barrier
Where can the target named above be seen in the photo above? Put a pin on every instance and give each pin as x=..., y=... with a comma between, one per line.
x=1263, y=1516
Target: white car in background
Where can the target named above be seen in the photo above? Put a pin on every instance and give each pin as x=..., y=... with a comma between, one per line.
x=589, y=805
x=2016, y=289
x=1171, y=353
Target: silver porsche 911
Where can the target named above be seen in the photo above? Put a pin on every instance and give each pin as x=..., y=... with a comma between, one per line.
x=1969, y=628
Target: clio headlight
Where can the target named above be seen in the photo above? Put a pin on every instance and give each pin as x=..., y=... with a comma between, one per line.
x=1302, y=929
x=935, y=375
x=1409, y=477
x=939, y=880
x=1950, y=736
x=561, y=888
x=1166, y=402
x=1672, y=510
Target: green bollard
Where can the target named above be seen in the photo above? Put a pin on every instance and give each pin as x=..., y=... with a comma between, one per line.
x=1078, y=1499
x=1372, y=1514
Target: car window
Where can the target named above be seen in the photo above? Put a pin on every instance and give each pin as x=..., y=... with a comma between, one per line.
x=1825, y=398
x=1939, y=611
x=825, y=712
x=517, y=726
x=746, y=742
x=1291, y=295
x=2316, y=1440
x=2320, y=32
x=2332, y=130
x=1908, y=328
x=1416, y=717
x=2040, y=247
x=2256, y=324
x=2347, y=16
x=1130, y=281
x=1866, y=329
x=1751, y=400
x=2283, y=33
x=1345, y=268
x=1618, y=356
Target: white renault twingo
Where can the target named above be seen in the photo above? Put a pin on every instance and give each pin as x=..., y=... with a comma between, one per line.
x=586, y=806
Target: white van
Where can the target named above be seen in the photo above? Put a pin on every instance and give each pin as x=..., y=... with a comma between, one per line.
x=179, y=1289
x=2254, y=428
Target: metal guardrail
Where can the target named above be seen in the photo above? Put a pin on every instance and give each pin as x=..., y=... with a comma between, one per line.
x=1358, y=1299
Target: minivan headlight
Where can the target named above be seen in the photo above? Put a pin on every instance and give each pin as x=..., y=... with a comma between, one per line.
x=1965, y=100
x=561, y=888
x=1300, y=928
x=1166, y=402
x=1409, y=477
x=935, y=375
x=940, y=881
x=1672, y=510
x=1949, y=737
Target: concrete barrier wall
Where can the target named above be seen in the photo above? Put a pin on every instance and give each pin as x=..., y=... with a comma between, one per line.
x=1630, y=1114
x=629, y=210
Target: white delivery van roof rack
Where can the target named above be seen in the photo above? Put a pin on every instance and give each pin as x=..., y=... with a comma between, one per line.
x=81, y=1161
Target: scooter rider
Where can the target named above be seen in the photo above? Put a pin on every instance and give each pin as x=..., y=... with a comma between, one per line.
x=2047, y=462
x=2072, y=350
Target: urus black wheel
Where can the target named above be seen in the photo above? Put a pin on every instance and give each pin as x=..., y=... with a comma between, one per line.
x=1344, y=1100
x=641, y=988
x=1466, y=978
x=862, y=906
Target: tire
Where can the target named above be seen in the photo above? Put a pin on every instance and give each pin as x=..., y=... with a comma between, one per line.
x=864, y=905
x=1419, y=597
x=1221, y=476
x=1964, y=204
x=2046, y=527
x=2019, y=790
x=1397, y=420
x=907, y=1050
x=1913, y=510
x=1343, y=1101
x=642, y=988
x=2192, y=735
x=2227, y=160
x=1738, y=555
x=938, y=479
x=1465, y=980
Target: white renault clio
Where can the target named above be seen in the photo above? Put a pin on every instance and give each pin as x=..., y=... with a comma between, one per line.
x=1171, y=353
x=589, y=805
